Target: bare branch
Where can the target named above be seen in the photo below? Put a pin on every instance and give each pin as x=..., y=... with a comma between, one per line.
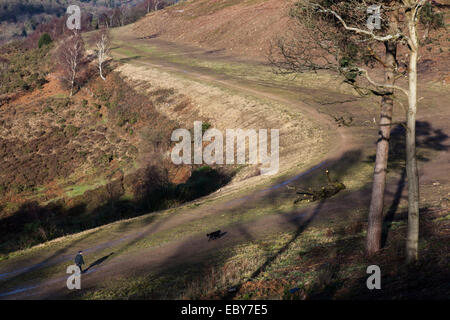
x=397, y=36
x=380, y=85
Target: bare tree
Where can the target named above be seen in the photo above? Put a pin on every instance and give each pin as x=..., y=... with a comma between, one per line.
x=122, y=15
x=326, y=45
x=157, y=3
x=102, y=48
x=150, y=5
x=70, y=56
x=337, y=37
x=104, y=19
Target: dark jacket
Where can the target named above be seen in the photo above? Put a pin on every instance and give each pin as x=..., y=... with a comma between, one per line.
x=79, y=260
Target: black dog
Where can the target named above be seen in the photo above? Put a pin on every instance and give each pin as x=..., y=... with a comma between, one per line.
x=213, y=235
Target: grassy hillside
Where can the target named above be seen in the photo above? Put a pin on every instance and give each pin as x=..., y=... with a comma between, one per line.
x=249, y=28
x=74, y=163
x=93, y=172
x=243, y=27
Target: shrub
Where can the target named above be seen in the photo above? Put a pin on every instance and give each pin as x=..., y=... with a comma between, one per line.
x=47, y=109
x=163, y=94
x=71, y=131
x=44, y=40
x=203, y=181
x=106, y=159
x=431, y=18
x=2, y=190
x=23, y=69
x=205, y=127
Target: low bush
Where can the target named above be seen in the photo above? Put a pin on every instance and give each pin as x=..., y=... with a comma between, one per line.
x=44, y=40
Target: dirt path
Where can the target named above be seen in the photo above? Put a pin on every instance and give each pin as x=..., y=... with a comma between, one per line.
x=341, y=144
x=194, y=247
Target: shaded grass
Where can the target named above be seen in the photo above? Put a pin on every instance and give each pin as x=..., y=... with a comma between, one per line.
x=323, y=262
x=81, y=189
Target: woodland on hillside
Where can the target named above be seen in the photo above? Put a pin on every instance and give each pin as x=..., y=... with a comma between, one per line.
x=19, y=18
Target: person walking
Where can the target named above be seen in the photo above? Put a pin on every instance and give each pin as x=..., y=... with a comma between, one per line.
x=79, y=261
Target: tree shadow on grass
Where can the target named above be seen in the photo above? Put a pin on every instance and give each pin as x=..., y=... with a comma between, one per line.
x=329, y=282
x=195, y=270
x=128, y=59
x=33, y=223
x=428, y=139
x=425, y=279
x=343, y=264
x=302, y=225
x=339, y=168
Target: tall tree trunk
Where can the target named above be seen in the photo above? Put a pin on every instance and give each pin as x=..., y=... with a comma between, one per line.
x=74, y=73
x=412, y=241
x=101, y=71
x=379, y=177
x=72, y=83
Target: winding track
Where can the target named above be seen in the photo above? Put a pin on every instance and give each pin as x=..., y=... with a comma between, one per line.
x=193, y=246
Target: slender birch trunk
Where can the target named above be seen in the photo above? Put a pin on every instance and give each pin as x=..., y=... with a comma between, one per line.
x=71, y=87
x=101, y=72
x=412, y=241
x=102, y=42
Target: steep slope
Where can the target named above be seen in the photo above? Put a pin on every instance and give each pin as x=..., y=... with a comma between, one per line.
x=248, y=28
x=243, y=27
x=317, y=242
